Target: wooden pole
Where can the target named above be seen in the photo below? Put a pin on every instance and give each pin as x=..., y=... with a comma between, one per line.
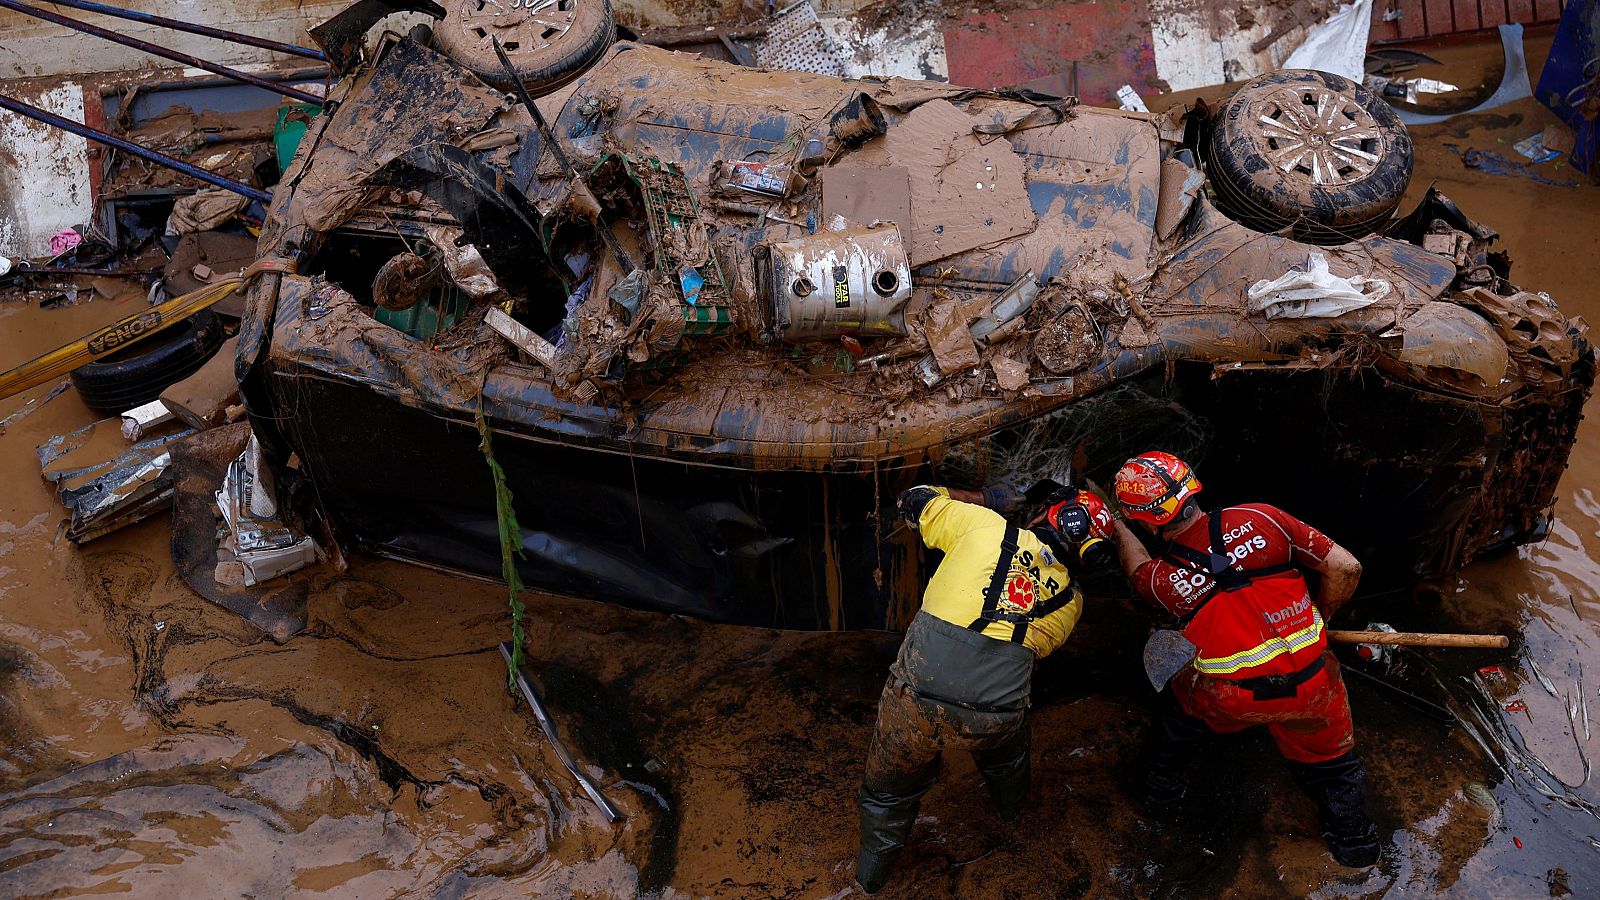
x=1415, y=639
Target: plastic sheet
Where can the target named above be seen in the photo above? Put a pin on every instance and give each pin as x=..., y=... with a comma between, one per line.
x=1338, y=45
x=1314, y=293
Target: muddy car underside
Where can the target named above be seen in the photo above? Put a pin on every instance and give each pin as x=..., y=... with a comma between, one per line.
x=690, y=423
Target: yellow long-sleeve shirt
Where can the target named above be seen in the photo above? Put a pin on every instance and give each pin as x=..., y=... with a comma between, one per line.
x=971, y=537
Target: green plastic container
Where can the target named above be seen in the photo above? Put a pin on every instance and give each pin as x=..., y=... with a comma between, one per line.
x=287, y=135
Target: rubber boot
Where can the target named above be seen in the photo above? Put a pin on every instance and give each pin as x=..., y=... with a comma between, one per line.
x=1007, y=769
x=887, y=815
x=872, y=870
x=1173, y=740
x=1338, y=787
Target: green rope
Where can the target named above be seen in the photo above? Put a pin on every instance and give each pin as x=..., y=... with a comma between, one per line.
x=510, y=546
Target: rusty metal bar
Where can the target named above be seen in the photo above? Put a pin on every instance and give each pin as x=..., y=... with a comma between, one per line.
x=134, y=15
x=111, y=140
x=154, y=50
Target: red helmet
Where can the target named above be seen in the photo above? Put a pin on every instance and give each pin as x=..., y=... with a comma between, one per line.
x=1153, y=487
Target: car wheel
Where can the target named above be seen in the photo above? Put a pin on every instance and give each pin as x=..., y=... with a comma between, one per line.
x=137, y=375
x=1310, y=152
x=549, y=42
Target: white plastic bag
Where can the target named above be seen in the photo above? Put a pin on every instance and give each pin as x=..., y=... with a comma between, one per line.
x=1314, y=293
x=1338, y=44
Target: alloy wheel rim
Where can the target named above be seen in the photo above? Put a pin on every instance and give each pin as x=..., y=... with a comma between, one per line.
x=1316, y=135
x=523, y=26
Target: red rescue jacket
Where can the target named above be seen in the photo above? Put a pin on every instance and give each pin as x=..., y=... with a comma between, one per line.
x=1260, y=620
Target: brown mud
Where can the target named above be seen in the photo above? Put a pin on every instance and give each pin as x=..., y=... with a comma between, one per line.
x=156, y=744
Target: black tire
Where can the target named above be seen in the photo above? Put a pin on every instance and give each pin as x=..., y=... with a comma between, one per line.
x=1331, y=166
x=544, y=58
x=137, y=375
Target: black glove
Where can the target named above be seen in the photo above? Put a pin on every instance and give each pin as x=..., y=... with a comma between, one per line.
x=1002, y=497
x=913, y=502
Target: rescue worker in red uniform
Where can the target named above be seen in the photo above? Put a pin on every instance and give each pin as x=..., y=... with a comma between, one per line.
x=1233, y=578
x=1001, y=598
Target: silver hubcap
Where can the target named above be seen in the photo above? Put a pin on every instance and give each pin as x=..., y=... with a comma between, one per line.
x=523, y=26
x=1317, y=134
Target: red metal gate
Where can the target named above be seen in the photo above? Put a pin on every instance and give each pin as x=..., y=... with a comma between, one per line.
x=1436, y=18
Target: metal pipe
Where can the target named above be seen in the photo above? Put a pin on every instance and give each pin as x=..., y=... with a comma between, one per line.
x=152, y=49
x=205, y=30
x=111, y=140
x=23, y=271
x=607, y=809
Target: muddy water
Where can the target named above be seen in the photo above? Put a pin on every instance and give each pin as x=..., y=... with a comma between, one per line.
x=151, y=743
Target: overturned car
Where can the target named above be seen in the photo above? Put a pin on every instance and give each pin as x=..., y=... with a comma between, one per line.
x=717, y=318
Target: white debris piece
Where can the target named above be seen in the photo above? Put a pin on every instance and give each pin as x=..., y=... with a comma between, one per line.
x=1338, y=45
x=1415, y=86
x=1314, y=293
x=141, y=420
x=265, y=548
x=1129, y=99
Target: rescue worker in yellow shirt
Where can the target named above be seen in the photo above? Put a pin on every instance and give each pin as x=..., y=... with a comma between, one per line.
x=1001, y=599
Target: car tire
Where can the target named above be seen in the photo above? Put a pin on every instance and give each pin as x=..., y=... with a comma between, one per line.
x=137, y=375
x=548, y=45
x=1309, y=152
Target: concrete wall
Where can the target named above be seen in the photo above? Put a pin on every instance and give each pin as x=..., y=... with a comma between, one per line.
x=44, y=173
x=30, y=47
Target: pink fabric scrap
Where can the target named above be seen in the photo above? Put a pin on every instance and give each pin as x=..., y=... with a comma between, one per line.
x=63, y=241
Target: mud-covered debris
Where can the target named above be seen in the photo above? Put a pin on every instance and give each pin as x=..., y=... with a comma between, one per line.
x=204, y=211
x=1448, y=242
x=537, y=348
x=257, y=545
x=404, y=281
x=746, y=177
x=1447, y=336
x=105, y=484
x=465, y=265
x=1181, y=183
x=1009, y=374
x=854, y=281
x=967, y=193
x=1067, y=343
x=202, y=400
x=949, y=338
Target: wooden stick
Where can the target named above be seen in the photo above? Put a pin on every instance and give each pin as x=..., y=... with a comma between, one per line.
x=137, y=327
x=63, y=360
x=1414, y=639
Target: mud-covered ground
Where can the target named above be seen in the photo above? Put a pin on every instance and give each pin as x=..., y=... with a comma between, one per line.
x=154, y=744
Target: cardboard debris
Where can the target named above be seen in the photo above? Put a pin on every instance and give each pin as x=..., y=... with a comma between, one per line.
x=865, y=195
x=1009, y=374
x=202, y=399
x=949, y=339
x=965, y=194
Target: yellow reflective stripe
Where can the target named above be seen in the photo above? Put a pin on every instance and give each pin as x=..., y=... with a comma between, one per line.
x=1272, y=649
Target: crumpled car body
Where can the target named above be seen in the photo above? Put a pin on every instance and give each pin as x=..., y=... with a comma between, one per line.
x=721, y=471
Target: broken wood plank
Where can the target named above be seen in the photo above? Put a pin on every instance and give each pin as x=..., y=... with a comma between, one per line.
x=541, y=350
